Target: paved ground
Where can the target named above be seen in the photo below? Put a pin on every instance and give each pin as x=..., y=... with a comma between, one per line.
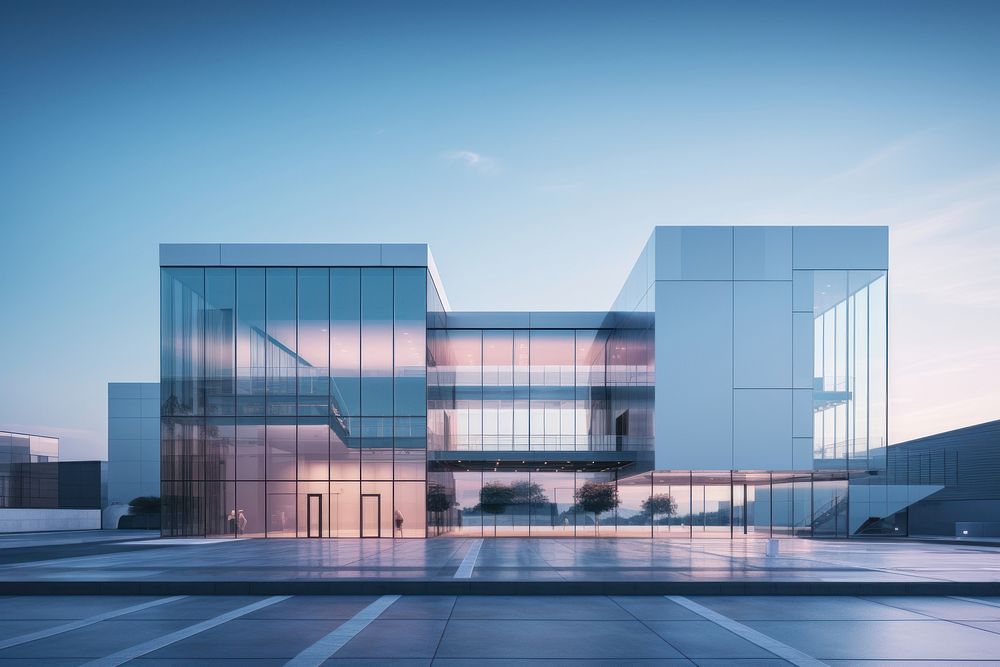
x=475, y=630
x=469, y=630
x=71, y=537
x=33, y=547
x=136, y=558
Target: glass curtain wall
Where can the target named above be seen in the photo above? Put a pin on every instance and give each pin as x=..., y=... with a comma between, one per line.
x=849, y=361
x=293, y=401
x=849, y=310
x=522, y=503
x=682, y=504
x=539, y=389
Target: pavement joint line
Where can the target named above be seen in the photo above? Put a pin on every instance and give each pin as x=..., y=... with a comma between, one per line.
x=139, y=650
x=326, y=646
x=464, y=570
x=84, y=622
x=976, y=600
x=782, y=650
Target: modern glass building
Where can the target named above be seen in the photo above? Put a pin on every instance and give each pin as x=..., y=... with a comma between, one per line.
x=736, y=387
x=24, y=481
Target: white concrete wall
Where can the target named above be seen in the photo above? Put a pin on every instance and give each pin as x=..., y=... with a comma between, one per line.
x=694, y=374
x=111, y=515
x=734, y=339
x=40, y=520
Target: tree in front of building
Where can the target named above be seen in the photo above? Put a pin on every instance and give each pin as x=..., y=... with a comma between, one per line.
x=439, y=501
x=529, y=493
x=597, y=498
x=495, y=498
x=144, y=505
x=658, y=505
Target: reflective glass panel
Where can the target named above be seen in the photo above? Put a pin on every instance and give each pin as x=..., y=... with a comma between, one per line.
x=313, y=448
x=376, y=342
x=376, y=448
x=281, y=356
x=410, y=325
x=251, y=342
x=249, y=449
x=220, y=448
x=313, y=341
x=345, y=342
x=280, y=446
x=182, y=331
x=345, y=448
x=250, y=517
x=281, y=509
x=220, y=509
x=220, y=348
x=409, y=512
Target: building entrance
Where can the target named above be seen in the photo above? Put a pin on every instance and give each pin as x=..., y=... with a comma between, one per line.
x=371, y=510
x=314, y=515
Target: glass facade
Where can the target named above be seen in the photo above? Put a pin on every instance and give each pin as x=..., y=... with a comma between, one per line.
x=850, y=396
x=293, y=401
x=347, y=401
x=508, y=390
x=689, y=504
x=849, y=361
x=26, y=481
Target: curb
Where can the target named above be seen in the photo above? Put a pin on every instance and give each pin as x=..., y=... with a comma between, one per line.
x=484, y=587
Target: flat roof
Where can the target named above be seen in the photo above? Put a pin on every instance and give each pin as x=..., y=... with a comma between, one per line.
x=303, y=254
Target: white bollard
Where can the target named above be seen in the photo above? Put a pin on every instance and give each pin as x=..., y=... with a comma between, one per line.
x=772, y=549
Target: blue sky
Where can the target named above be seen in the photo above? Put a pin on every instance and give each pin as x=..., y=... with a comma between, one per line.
x=533, y=145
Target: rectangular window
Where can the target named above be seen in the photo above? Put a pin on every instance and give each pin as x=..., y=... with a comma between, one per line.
x=376, y=448
x=281, y=356
x=376, y=342
x=439, y=388
x=220, y=348
x=345, y=448
x=250, y=517
x=410, y=450
x=313, y=448
x=409, y=341
x=522, y=367
x=345, y=342
x=251, y=341
x=498, y=389
x=249, y=449
x=280, y=448
x=220, y=509
x=220, y=449
x=409, y=514
x=313, y=341
x=281, y=509
x=182, y=338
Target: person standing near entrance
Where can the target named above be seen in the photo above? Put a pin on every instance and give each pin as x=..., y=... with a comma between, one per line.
x=397, y=518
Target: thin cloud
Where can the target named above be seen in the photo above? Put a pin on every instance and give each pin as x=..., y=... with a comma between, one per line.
x=471, y=159
x=882, y=156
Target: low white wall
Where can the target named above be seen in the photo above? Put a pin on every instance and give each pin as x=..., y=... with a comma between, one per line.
x=111, y=515
x=38, y=520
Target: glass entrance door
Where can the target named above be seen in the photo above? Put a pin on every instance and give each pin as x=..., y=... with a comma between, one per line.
x=314, y=515
x=371, y=509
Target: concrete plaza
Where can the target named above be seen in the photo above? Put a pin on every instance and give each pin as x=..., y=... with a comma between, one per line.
x=140, y=599
x=497, y=630
x=142, y=563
